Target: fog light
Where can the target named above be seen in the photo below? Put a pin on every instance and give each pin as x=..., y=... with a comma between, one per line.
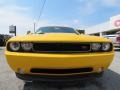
x=20, y=71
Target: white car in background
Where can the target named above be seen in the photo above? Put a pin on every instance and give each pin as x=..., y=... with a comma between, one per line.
x=115, y=38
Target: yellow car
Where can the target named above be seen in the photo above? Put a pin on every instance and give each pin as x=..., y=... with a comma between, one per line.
x=58, y=53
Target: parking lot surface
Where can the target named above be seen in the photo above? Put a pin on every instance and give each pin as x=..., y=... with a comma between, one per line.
x=109, y=81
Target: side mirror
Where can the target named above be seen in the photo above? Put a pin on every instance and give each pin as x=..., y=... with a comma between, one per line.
x=29, y=32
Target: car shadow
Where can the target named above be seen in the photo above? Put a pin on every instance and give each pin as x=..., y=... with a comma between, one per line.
x=109, y=81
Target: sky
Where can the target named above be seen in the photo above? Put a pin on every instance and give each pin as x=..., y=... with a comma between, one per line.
x=73, y=13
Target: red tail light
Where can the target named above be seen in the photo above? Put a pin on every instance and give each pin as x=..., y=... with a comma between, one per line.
x=118, y=39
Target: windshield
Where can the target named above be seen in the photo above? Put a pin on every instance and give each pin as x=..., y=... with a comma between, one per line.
x=55, y=30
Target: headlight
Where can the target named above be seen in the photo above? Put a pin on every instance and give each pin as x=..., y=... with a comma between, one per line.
x=95, y=46
x=26, y=46
x=106, y=46
x=14, y=46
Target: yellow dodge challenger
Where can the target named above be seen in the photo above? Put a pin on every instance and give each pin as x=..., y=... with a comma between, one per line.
x=58, y=53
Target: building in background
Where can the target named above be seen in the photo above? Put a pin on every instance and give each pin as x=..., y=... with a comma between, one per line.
x=107, y=28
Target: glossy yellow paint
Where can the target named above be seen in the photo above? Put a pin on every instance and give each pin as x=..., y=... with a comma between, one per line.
x=59, y=37
x=27, y=61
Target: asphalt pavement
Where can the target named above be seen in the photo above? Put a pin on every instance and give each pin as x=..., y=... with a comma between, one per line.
x=109, y=81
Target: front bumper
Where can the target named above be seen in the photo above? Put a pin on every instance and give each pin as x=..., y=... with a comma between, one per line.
x=46, y=78
x=28, y=61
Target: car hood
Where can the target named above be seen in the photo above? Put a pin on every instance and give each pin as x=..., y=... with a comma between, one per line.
x=58, y=37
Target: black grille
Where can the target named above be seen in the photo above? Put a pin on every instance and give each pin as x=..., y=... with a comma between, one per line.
x=61, y=71
x=61, y=47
